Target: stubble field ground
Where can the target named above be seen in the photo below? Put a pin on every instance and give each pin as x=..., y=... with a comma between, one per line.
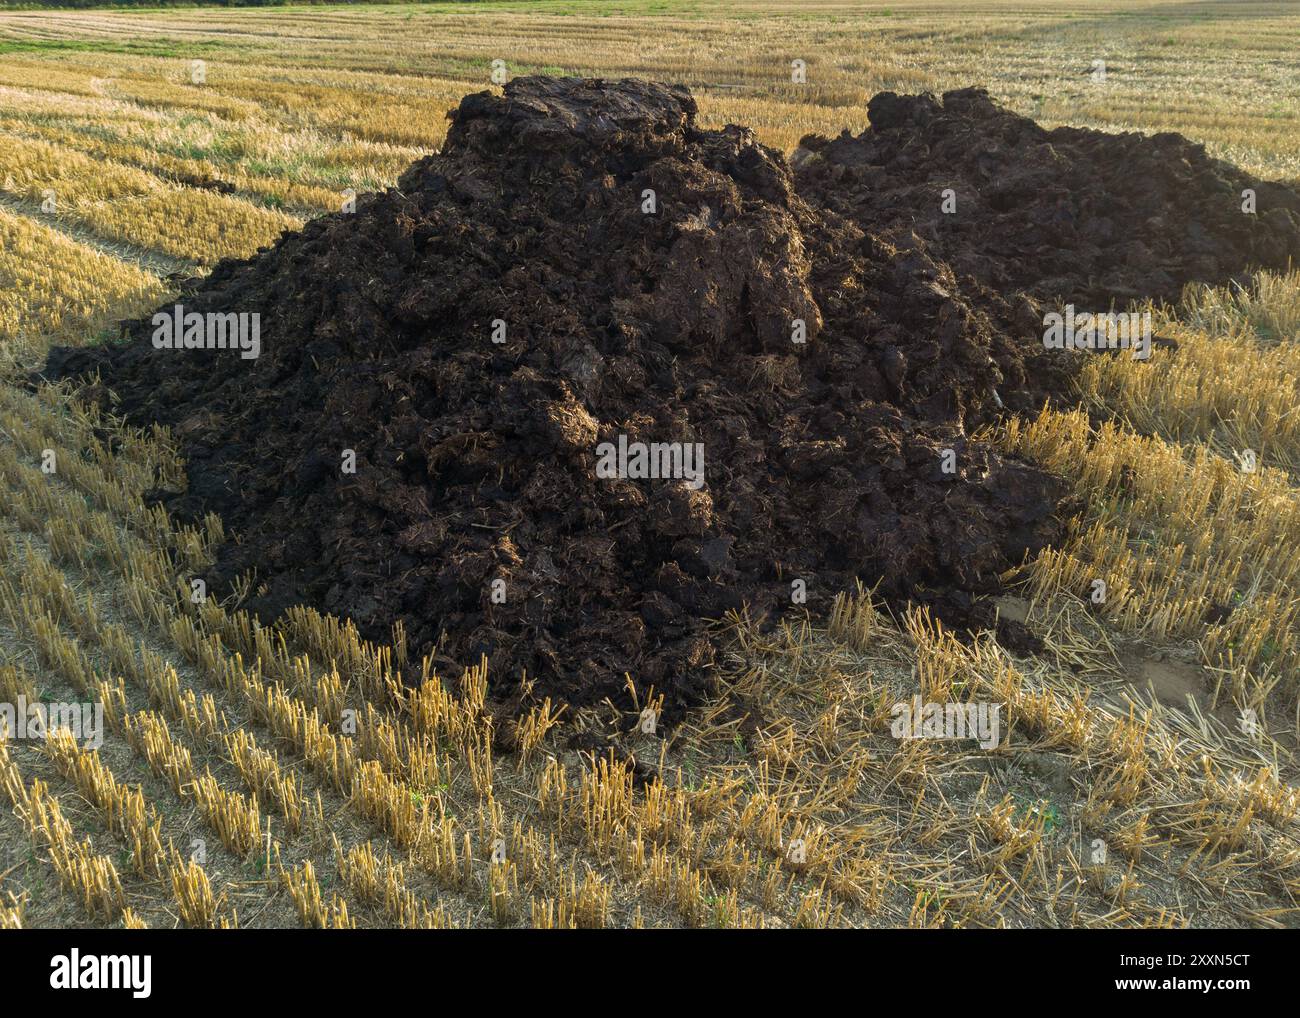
x=258, y=777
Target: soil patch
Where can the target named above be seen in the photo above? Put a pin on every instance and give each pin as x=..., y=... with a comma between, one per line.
x=1173, y=681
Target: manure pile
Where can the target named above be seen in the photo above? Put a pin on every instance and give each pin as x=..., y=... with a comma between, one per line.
x=583, y=264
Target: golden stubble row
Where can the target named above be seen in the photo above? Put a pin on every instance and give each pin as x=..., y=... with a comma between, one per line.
x=54, y=286
x=130, y=206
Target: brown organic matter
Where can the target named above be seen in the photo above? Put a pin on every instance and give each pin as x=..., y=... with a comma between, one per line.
x=476, y=461
x=1069, y=215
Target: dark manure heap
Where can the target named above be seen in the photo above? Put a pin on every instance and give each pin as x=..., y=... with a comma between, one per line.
x=583, y=268
x=1068, y=214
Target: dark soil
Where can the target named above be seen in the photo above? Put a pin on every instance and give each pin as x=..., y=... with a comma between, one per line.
x=476, y=461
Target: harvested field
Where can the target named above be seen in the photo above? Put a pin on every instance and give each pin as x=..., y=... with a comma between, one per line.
x=377, y=641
